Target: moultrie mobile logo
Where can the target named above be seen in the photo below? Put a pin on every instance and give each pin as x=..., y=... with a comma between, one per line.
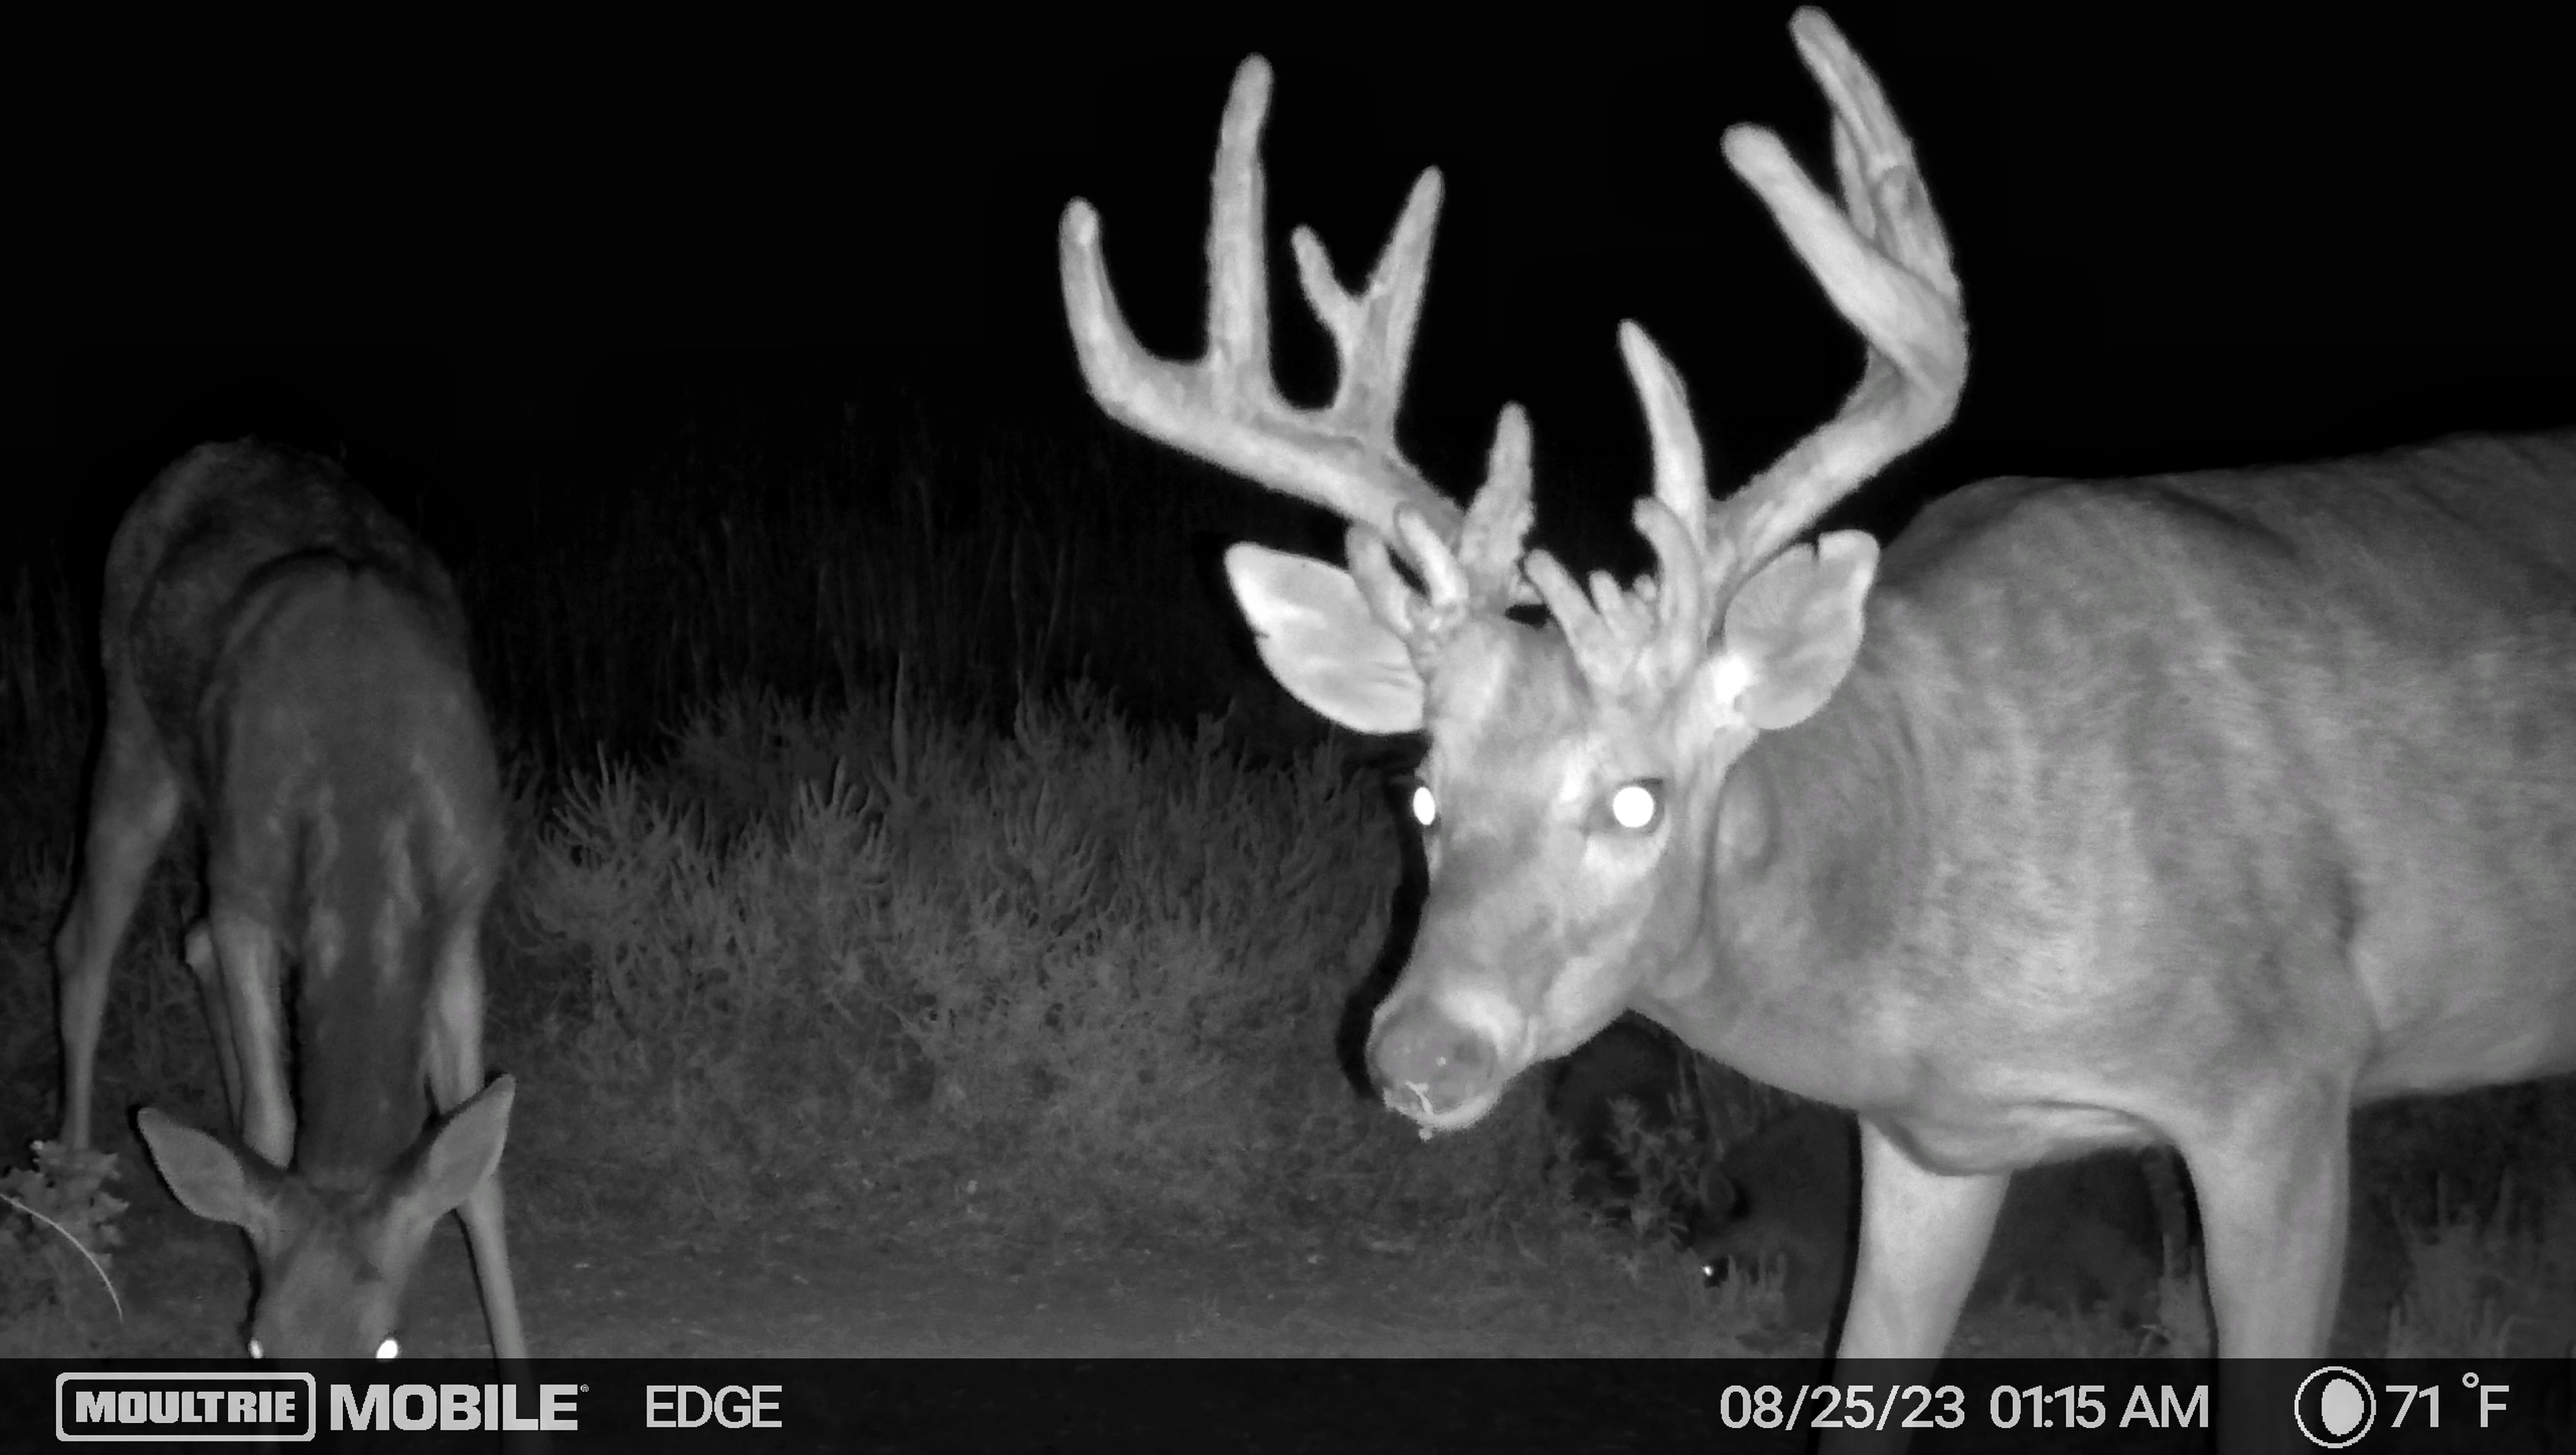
x=168, y=1407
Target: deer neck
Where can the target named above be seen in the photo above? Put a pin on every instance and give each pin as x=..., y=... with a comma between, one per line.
x=363, y=980
x=1815, y=849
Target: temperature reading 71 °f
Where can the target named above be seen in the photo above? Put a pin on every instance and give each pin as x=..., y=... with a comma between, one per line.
x=2491, y=1401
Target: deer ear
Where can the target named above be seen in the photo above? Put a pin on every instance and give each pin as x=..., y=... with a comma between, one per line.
x=213, y=1178
x=1323, y=643
x=456, y=1158
x=1792, y=631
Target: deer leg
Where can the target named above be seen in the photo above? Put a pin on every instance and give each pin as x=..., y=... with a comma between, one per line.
x=202, y=962
x=455, y=1076
x=252, y=970
x=133, y=805
x=2273, y=1186
x=1923, y=1235
x=2162, y=1167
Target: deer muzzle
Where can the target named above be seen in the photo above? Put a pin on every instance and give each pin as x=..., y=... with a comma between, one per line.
x=1434, y=1068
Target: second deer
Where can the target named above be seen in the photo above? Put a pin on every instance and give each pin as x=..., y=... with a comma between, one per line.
x=287, y=666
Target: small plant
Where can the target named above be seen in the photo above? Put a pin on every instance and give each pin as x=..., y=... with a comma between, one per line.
x=1671, y=1162
x=56, y=1251
x=1646, y=1178
x=2181, y=1328
x=2474, y=1278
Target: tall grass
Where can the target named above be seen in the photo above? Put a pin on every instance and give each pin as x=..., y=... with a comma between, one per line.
x=1077, y=976
x=45, y=711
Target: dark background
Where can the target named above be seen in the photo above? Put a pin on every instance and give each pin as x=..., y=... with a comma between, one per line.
x=490, y=263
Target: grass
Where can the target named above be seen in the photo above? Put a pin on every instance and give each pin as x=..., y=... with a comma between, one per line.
x=901, y=845
x=1061, y=967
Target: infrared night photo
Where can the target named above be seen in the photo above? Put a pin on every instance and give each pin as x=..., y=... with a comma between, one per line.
x=1882, y=696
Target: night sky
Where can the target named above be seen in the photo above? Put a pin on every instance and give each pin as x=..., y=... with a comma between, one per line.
x=459, y=255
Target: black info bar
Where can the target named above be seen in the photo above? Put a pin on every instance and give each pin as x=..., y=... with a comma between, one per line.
x=1342, y=1405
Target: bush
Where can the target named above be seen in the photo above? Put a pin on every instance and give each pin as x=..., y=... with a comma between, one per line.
x=1083, y=975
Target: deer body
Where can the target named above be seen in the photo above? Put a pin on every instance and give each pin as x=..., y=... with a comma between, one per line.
x=2142, y=781
x=2193, y=809
x=287, y=667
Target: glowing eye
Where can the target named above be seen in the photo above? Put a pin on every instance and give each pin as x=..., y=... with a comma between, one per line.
x=1636, y=805
x=257, y=1352
x=1426, y=809
x=389, y=1349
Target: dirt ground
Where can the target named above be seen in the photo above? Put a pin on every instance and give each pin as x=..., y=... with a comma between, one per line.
x=602, y=1286
x=821, y=1293
x=809, y=1294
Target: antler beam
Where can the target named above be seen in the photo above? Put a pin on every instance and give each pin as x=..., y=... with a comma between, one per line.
x=1884, y=262
x=1225, y=408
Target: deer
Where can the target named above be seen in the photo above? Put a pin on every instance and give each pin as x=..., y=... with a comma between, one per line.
x=287, y=667
x=2193, y=810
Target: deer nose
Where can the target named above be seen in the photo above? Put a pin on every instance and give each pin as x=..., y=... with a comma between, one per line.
x=1427, y=1064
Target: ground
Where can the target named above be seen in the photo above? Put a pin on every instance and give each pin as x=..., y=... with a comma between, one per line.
x=597, y=1282
x=813, y=1294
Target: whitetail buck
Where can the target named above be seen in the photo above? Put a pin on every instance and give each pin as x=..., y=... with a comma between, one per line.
x=2192, y=809
x=286, y=664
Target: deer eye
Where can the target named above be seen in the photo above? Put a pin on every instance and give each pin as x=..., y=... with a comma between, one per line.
x=1422, y=805
x=1637, y=806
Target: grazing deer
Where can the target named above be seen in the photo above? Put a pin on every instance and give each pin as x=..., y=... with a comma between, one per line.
x=2192, y=809
x=286, y=663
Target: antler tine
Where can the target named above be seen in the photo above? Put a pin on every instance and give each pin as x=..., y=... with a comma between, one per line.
x=1225, y=408
x=1681, y=469
x=1649, y=637
x=1884, y=262
x=1498, y=522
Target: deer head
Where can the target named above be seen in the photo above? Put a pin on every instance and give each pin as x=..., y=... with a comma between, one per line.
x=1569, y=800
